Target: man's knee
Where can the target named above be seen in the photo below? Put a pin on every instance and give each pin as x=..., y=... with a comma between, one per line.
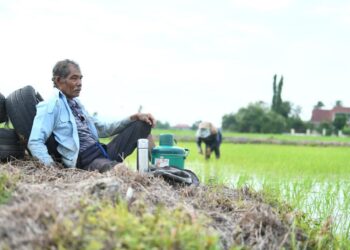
x=143, y=127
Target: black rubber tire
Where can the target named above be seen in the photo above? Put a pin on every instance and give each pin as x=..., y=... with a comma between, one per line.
x=10, y=145
x=21, y=109
x=195, y=179
x=174, y=175
x=3, y=113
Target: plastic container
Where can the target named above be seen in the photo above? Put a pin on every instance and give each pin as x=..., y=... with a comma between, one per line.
x=168, y=155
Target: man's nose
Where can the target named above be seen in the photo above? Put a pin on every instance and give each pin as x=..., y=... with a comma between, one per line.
x=79, y=82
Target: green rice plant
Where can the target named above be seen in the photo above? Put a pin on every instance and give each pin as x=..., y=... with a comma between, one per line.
x=283, y=137
x=313, y=180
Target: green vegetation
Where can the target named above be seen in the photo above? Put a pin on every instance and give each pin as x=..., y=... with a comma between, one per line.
x=107, y=226
x=259, y=117
x=283, y=137
x=5, y=125
x=313, y=180
x=6, y=188
x=281, y=116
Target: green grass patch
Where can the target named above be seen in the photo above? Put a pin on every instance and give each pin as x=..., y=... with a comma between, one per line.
x=6, y=188
x=6, y=125
x=107, y=226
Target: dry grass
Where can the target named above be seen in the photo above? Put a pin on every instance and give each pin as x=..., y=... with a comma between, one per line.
x=43, y=197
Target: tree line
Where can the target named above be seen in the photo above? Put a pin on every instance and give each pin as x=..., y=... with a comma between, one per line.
x=279, y=117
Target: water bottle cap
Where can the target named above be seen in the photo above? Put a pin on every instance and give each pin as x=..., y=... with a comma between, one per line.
x=142, y=143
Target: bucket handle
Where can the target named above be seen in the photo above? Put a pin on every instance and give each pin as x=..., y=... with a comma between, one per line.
x=187, y=151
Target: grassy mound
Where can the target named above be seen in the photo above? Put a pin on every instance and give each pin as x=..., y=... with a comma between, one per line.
x=57, y=208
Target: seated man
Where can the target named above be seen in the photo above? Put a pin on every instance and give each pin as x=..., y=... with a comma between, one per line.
x=211, y=137
x=76, y=132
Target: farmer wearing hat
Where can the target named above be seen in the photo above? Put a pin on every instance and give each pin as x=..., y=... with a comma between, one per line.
x=211, y=136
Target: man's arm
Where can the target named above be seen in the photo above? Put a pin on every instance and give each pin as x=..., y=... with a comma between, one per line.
x=105, y=129
x=109, y=129
x=43, y=125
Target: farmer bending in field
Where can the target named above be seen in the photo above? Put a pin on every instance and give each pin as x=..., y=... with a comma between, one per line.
x=77, y=133
x=211, y=137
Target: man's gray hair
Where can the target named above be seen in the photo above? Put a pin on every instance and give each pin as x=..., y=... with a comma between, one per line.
x=61, y=69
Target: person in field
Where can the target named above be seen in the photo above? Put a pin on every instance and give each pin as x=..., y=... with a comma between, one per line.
x=211, y=137
x=76, y=133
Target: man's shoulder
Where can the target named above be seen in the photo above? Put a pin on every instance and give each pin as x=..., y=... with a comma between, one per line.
x=54, y=101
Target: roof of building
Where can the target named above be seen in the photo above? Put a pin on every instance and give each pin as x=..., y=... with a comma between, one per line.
x=340, y=109
x=327, y=115
x=182, y=126
x=321, y=115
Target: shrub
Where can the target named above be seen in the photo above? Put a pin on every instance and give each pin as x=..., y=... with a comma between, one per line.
x=346, y=130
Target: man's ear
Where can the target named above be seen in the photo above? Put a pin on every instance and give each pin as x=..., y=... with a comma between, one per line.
x=59, y=80
x=55, y=79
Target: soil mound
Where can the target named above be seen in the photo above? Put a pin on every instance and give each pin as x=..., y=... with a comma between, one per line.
x=42, y=196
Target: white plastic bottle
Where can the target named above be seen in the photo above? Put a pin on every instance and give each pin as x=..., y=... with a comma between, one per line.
x=142, y=155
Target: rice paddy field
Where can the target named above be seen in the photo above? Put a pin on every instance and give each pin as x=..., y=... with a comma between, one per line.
x=313, y=180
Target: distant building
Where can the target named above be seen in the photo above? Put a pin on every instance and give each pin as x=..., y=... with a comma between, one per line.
x=328, y=115
x=181, y=126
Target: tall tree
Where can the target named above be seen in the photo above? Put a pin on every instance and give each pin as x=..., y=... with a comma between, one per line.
x=279, y=96
x=274, y=96
x=274, y=89
x=339, y=103
x=319, y=105
x=339, y=121
x=278, y=106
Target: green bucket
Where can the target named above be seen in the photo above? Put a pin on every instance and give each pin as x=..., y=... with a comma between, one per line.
x=168, y=155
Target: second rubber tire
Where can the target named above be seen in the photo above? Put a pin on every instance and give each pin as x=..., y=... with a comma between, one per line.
x=10, y=145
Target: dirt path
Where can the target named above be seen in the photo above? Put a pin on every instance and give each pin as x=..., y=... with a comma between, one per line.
x=44, y=196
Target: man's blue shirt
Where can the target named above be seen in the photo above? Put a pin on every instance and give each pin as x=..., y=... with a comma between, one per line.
x=54, y=116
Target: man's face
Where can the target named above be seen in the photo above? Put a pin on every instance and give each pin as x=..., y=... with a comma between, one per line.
x=71, y=85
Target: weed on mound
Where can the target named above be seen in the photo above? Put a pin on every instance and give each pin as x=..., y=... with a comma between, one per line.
x=59, y=208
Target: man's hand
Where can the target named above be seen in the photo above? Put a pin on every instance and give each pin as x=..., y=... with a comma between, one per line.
x=146, y=117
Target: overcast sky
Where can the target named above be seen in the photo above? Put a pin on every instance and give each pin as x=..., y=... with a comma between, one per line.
x=183, y=61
